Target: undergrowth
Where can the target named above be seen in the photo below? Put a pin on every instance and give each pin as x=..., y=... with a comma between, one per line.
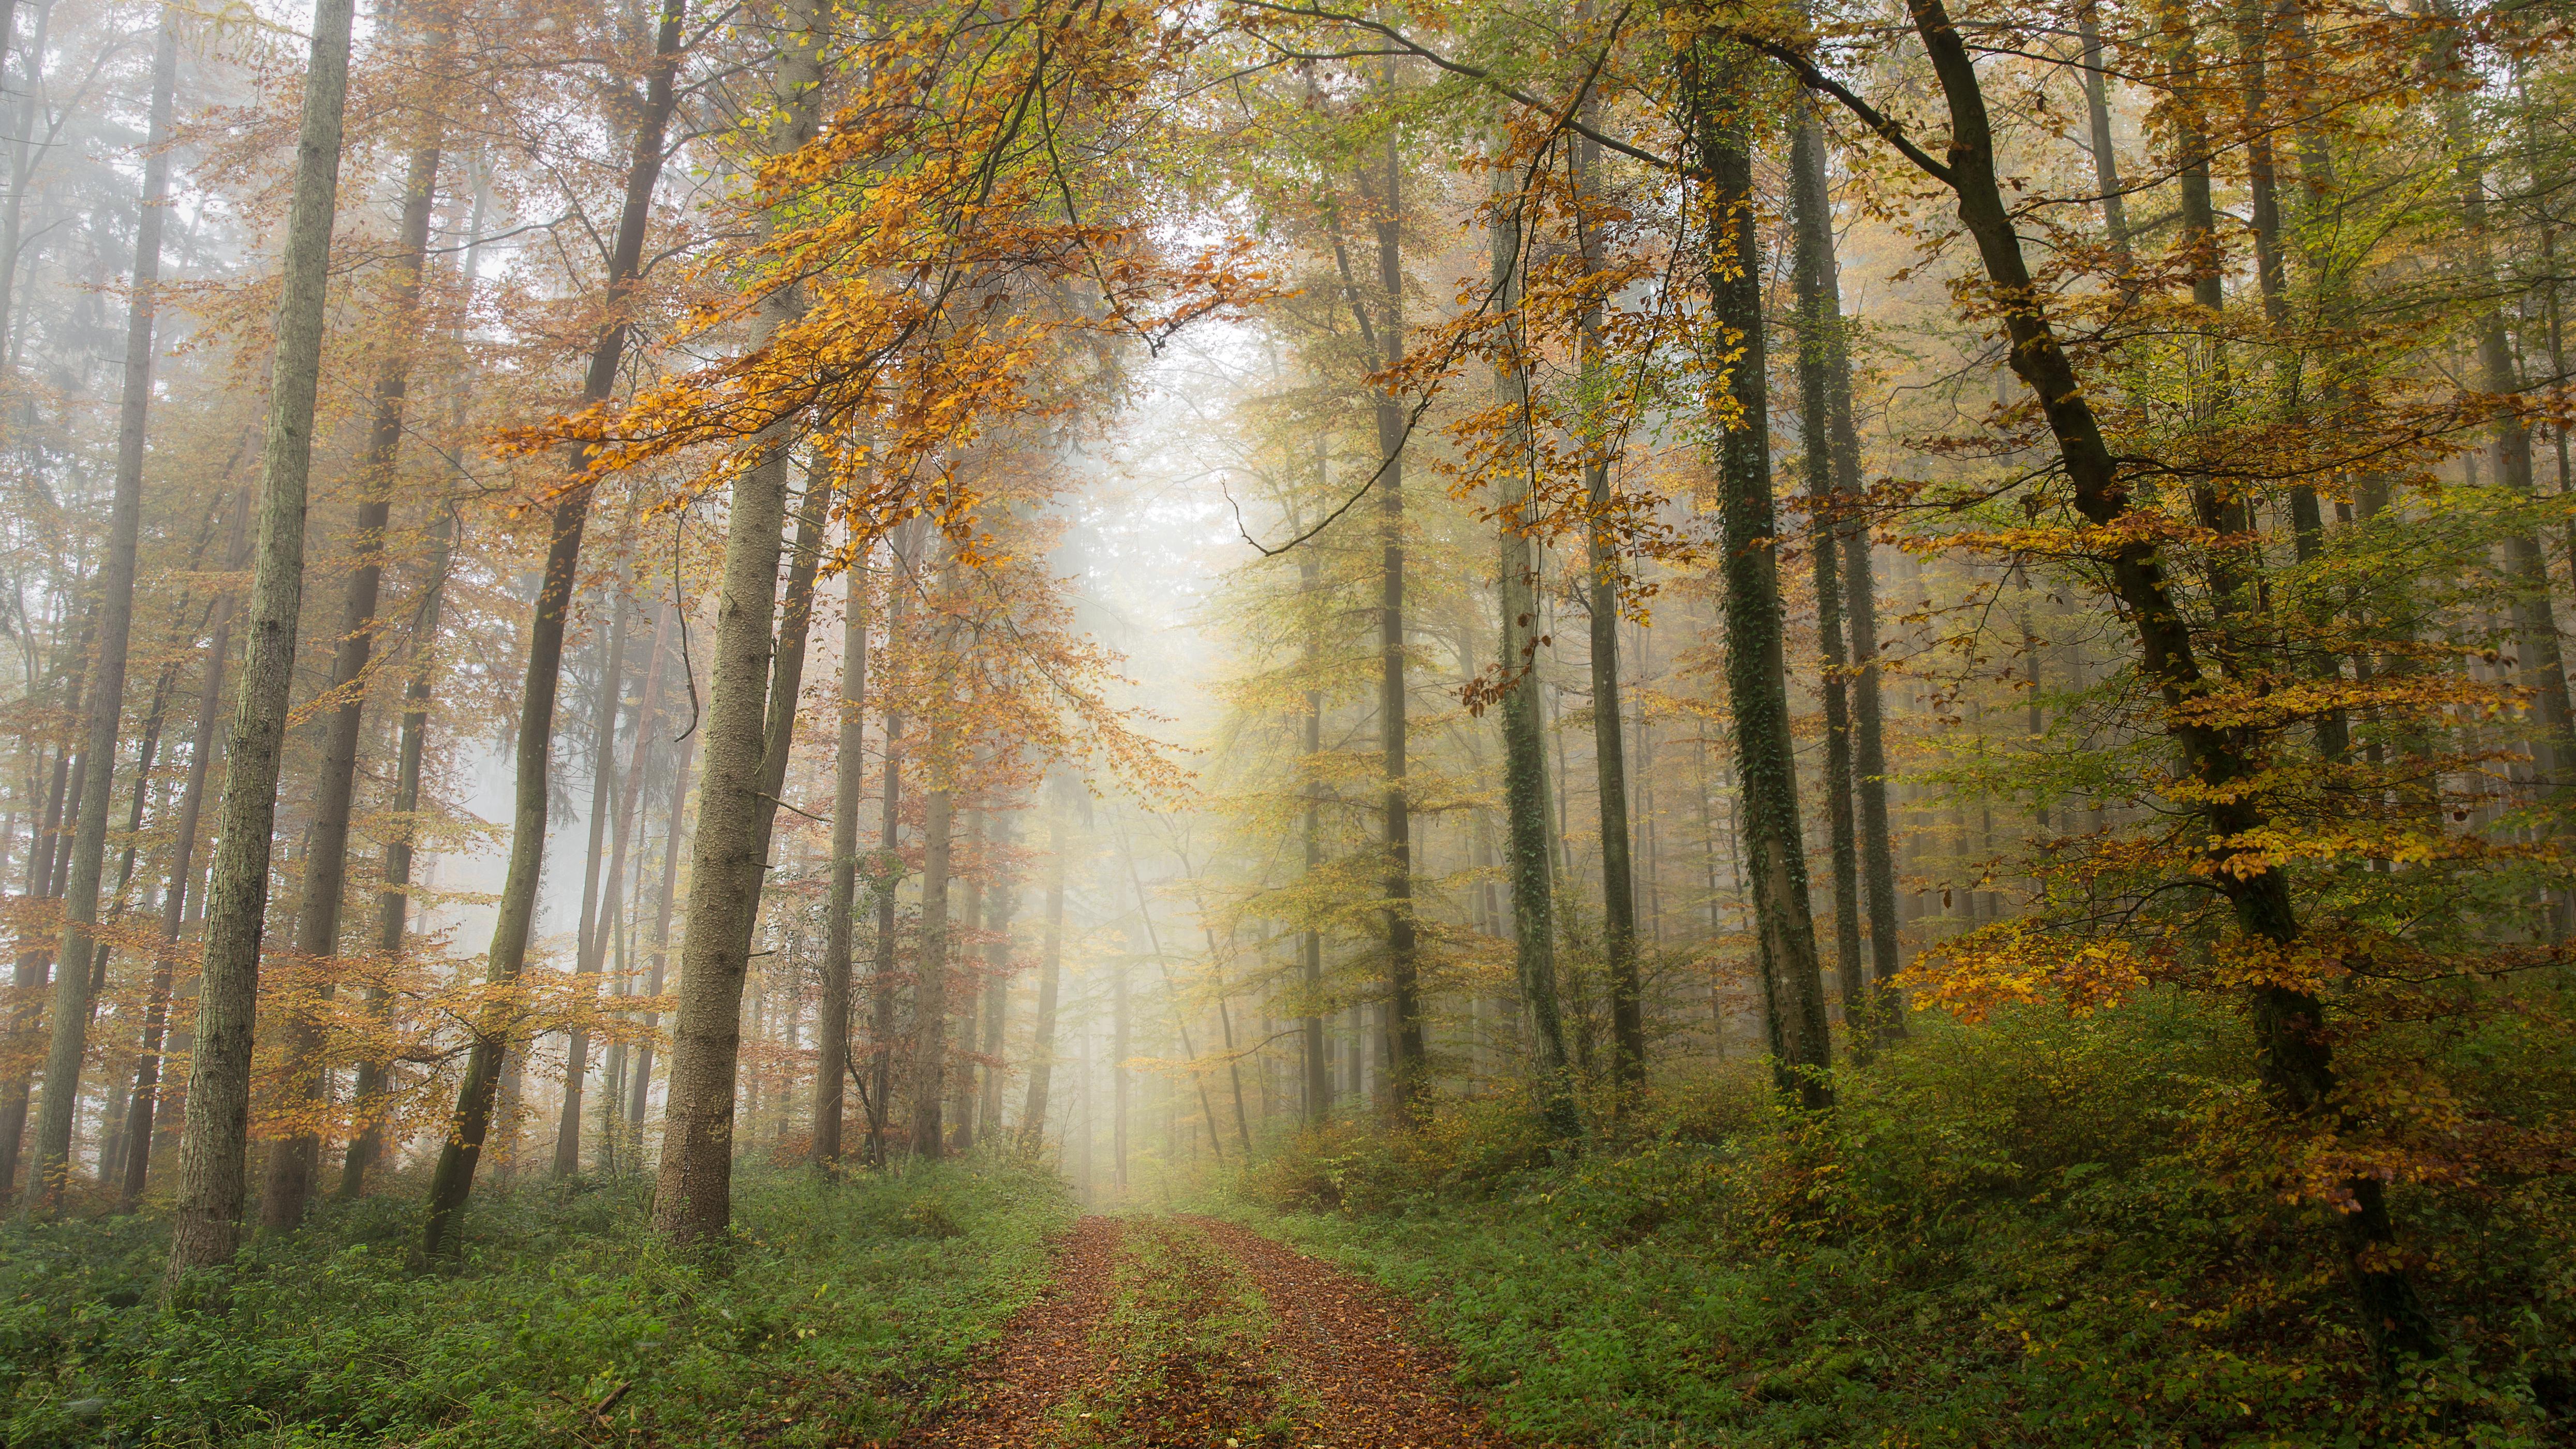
x=564, y=1323
x=2030, y=1232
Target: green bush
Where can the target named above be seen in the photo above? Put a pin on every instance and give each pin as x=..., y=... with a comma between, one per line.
x=2016, y=1233
x=564, y=1322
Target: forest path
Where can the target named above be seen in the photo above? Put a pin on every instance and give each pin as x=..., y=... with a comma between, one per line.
x=1190, y=1333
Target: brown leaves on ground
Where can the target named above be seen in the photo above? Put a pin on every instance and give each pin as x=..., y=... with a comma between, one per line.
x=1194, y=1334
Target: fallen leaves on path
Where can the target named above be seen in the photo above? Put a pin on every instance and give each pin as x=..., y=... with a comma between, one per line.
x=1046, y=1354
x=1146, y=1350
x=1373, y=1385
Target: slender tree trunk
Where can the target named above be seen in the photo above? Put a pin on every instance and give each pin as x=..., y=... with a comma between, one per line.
x=840, y=903
x=750, y=722
x=1756, y=662
x=1412, y=1079
x=215, y=1141
x=1050, y=984
x=900, y=581
x=1609, y=748
x=2106, y=159
x=393, y=902
x=1310, y=943
x=674, y=832
x=74, y=983
x=1525, y=793
x=1819, y=330
x=202, y=745
x=930, y=956
x=1001, y=900
x=294, y=1163
x=591, y=950
x=453, y=1179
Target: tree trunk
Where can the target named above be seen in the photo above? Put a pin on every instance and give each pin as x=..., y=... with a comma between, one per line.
x=1756, y=662
x=215, y=1141
x=1050, y=983
x=74, y=988
x=850, y=764
x=675, y=818
x=453, y=1179
x=750, y=722
x=930, y=955
x=1310, y=942
x=203, y=742
x=393, y=901
x=1412, y=1082
x=1001, y=900
x=1609, y=749
x=1819, y=330
x=294, y=1163
x=1525, y=794
x=591, y=950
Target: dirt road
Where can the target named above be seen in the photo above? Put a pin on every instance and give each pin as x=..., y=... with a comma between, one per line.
x=1188, y=1333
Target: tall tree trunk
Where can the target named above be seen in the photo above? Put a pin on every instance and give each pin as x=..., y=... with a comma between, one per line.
x=294, y=1163
x=1001, y=900
x=750, y=721
x=1525, y=794
x=1819, y=330
x=591, y=950
x=1310, y=942
x=215, y=1141
x=203, y=741
x=1756, y=661
x=2097, y=116
x=674, y=832
x=840, y=902
x=901, y=578
x=1050, y=982
x=74, y=988
x=930, y=955
x=393, y=901
x=452, y=1181
x=1412, y=1079
x=1609, y=748
x=36, y=963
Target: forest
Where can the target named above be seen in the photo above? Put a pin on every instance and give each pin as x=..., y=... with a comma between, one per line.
x=1287, y=722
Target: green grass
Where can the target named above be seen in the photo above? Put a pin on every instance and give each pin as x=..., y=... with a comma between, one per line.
x=2013, y=1235
x=839, y=1306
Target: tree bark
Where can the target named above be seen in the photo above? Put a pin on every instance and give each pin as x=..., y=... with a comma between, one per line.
x=393, y=902
x=453, y=1179
x=750, y=721
x=74, y=984
x=294, y=1163
x=930, y=955
x=1525, y=792
x=1819, y=328
x=591, y=949
x=203, y=742
x=1001, y=900
x=1412, y=1081
x=215, y=1141
x=840, y=903
x=1050, y=984
x=1756, y=662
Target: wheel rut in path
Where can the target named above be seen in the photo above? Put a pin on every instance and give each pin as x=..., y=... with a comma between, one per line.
x=1350, y=1345
x=1046, y=1355
x=1189, y=1333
